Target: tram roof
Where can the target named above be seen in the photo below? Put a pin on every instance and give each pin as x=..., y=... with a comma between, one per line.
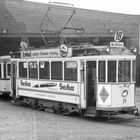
x=74, y=51
x=120, y=51
x=104, y=50
x=5, y=58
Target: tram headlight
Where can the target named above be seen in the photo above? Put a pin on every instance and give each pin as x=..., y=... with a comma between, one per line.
x=134, y=50
x=125, y=93
x=107, y=49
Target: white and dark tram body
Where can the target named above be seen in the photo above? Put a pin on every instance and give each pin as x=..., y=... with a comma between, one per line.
x=5, y=71
x=91, y=80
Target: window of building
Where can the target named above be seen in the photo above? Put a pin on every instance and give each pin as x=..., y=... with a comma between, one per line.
x=70, y=70
x=44, y=70
x=124, y=71
x=22, y=69
x=101, y=71
x=111, y=71
x=33, y=69
x=56, y=71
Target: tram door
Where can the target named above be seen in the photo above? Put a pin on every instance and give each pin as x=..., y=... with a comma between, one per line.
x=91, y=83
x=13, y=78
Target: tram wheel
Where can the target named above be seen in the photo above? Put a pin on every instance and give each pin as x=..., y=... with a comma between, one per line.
x=41, y=107
x=54, y=110
x=136, y=112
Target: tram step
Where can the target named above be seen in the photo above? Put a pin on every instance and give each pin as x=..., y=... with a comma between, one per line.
x=90, y=112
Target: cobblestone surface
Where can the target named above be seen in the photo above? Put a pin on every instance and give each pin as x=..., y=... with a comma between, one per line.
x=23, y=123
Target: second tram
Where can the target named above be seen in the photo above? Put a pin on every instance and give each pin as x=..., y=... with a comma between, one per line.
x=5, y=72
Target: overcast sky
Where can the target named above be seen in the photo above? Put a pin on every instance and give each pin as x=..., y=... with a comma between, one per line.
x=117, y=6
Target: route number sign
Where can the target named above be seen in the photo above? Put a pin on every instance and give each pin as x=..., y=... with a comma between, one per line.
x=118, y=36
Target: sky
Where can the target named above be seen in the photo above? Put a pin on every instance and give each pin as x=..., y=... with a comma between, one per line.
x=118, y=6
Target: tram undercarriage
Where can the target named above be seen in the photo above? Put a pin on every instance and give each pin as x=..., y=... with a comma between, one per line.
x=69, y=109
x=51, y=106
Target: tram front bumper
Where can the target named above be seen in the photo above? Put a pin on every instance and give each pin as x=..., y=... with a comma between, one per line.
x=121, y=110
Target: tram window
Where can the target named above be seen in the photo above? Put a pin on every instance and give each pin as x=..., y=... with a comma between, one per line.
x=33, y=69
x=0, y=71
x=56, y=70
x=134, y=71
x=101, y=71
x=22, y=69
x=70, y=70
x=8, y=69
x=124, y=70
x=43, y=70
x=111, y=71
x=4, y=70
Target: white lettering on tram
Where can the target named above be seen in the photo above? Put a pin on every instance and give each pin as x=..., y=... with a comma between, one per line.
x=66, y=87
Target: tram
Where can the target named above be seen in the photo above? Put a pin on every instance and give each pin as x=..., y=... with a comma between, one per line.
x=5, y=71
x=91, y=80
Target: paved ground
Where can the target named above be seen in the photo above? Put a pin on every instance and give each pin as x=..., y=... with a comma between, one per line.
x=22, y=123
x=138, y=98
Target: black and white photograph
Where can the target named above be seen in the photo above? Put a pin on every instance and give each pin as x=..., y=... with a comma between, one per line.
x=69, y=70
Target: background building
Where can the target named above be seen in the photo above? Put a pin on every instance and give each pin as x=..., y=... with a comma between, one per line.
x=23, y=20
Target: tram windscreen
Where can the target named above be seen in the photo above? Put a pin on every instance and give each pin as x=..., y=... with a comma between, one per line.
x=111, y=71
x=124, y=71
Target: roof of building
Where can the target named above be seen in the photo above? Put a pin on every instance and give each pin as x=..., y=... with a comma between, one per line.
x=23, y=17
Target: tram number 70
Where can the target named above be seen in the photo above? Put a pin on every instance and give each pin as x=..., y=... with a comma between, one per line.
x=124, y=101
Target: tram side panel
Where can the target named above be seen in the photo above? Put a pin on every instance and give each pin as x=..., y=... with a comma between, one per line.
x=63, y=91
x=123, y=95
x=49, y=90
x=116, y=96
x=4, y=86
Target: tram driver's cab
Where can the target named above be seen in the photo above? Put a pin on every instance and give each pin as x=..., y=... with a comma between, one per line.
x=111, y=83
